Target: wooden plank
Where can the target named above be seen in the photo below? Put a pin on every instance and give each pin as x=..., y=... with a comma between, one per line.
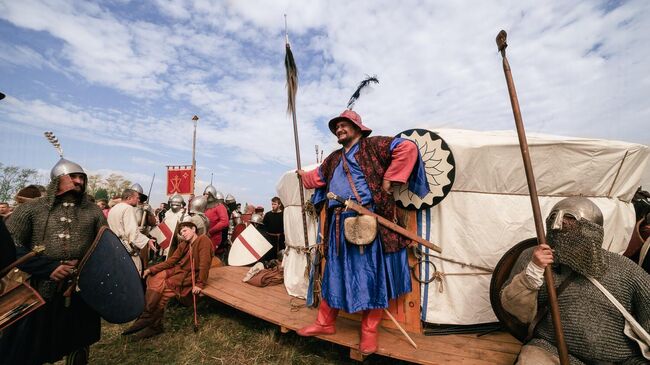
x=273, y=304
x=355, y=354
x=411, y=301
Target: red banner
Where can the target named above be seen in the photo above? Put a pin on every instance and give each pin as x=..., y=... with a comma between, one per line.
x=180, y=180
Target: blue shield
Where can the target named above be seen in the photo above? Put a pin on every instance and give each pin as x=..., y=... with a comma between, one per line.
x=109, y=281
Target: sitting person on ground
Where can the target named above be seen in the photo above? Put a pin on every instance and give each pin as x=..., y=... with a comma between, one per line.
x=173, y=278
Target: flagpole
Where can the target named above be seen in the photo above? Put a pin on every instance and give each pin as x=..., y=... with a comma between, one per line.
x=292, y=88
x=195, y=119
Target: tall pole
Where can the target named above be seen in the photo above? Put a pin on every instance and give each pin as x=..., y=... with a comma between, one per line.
x=534, y=200
x=292, y=88
x=195, y=119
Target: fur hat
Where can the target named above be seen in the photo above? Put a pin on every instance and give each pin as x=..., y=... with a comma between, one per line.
x=27, y=193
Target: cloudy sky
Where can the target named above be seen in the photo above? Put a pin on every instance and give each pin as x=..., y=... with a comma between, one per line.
x=119, y=81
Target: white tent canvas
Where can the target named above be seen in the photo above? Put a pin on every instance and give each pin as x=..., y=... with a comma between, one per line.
x=488, y=209
x=295, y=261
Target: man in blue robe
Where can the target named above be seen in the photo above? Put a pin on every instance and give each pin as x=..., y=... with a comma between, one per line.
x=363, y=279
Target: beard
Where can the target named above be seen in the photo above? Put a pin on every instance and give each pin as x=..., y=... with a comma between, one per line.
x=580, y=247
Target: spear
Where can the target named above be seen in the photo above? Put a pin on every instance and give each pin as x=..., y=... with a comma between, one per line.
x=144, y=213
x=292, y=88
x=532, y=188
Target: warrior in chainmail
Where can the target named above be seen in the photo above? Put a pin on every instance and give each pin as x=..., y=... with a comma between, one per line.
x=593, y=327
x=65, y=222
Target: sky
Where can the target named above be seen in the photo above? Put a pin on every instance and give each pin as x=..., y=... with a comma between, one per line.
x=119, y=81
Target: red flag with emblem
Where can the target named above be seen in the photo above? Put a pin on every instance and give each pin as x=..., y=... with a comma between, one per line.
x=180, y=180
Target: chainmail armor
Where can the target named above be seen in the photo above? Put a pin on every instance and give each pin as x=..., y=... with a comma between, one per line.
x=593, y=327
x=65, y=226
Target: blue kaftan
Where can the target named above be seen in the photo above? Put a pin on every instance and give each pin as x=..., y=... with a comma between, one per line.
x=353, y=281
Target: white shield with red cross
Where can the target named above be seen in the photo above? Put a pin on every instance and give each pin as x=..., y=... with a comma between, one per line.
x=248, y=247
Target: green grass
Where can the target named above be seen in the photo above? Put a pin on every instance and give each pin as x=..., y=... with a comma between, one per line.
x=225, y=336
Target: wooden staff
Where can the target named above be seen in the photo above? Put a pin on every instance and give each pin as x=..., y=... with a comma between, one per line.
x=410, y=340
x=292, y=88
x=539, y=227
x=196, y=318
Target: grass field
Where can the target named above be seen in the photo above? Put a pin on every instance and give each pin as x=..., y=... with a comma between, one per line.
x=225, y=336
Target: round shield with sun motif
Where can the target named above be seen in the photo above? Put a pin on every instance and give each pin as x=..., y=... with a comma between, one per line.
x=439, y=166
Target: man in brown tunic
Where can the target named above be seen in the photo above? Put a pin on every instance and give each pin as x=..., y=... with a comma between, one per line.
x=173, y=277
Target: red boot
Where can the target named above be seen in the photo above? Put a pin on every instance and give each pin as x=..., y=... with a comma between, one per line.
x=369, y=325
x=324, y=324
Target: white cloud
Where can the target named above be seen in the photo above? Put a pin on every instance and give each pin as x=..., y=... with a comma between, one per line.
x=579, y=70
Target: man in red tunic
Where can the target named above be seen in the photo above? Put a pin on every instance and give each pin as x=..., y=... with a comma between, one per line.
x=218, y=216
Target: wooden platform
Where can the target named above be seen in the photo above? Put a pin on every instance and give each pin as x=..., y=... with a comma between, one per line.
x=273, y=304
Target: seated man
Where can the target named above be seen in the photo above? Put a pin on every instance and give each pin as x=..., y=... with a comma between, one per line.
x=593, y=327
x=173, y=278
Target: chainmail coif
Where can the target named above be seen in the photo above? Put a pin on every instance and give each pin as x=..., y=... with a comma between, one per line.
x=64, y=225
x=579, y=247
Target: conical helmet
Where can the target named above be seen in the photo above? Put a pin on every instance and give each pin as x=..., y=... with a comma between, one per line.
x=137, y=187
x=210, y=190
x=66, y=167
x=198, y=204
x=230, y=199
x=176, y=198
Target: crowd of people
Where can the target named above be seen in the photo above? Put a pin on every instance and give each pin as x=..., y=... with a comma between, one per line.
x=65, y=220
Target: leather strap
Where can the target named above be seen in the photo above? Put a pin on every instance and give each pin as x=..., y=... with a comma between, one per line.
x=349, y=175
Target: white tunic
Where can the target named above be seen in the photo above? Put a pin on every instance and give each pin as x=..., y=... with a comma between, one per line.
x=123, y=222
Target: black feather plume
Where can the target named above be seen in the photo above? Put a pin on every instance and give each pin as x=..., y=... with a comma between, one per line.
x=362, y=85
x=55, y=142
x=292, y=79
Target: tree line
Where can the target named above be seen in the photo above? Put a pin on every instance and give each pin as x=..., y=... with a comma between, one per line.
x=14, y=178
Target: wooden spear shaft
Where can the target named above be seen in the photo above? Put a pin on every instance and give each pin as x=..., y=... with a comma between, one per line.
x=408, y=338
x=196, y=318
x=295, y=138
x=532, y=188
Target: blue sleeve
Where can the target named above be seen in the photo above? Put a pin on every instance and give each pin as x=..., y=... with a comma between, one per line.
x=39, y=266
